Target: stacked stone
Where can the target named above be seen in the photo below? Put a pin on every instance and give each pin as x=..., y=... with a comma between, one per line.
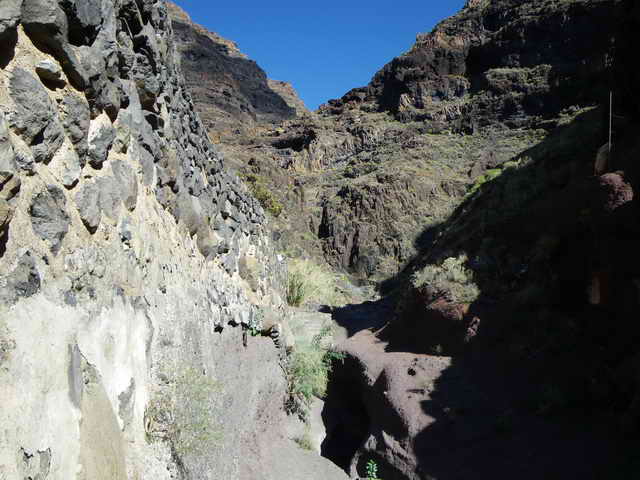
x=127, y=253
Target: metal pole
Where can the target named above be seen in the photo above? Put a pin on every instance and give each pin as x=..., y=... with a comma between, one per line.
x=610, y=121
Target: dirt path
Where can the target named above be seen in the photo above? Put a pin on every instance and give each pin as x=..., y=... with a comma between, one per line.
x=467, y=417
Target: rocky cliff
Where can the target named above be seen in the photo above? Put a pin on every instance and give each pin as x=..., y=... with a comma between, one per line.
x=358, y=183
x=231, y=91
x=132, y=264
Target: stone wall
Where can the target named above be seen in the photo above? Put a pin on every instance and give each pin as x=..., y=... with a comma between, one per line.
x=131, y=264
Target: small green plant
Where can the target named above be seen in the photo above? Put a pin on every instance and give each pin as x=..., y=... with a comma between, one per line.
x=254, y=331
x=372, y=470
x=296, y=289
x=304, y=441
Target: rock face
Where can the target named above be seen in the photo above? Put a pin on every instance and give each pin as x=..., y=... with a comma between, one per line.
x=508, y=61
x=231, y=91
x=122, y=304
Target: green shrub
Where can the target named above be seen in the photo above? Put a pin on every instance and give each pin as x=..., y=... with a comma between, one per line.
x=451, y=278
x=266, y=198
x=309, y=365
x=181, y=414
x=304, y=441
x=296, y=289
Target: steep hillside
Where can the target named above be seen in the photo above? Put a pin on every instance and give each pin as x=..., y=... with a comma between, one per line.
x=357, y=183
x=231, y=91
x=132, y=265
x=512, y=351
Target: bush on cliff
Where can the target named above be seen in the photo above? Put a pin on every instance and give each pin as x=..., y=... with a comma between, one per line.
x=451, y=279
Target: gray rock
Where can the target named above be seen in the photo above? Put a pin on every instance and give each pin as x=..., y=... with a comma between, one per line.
x=101, y=137
x=6, y=214
x=9, y=16
x=129, y=119
x=66, y=166
x=23, y=281
x=85, y=17
x=207, y=245
x=7, y=156
x=190, y=212
x=110, y=196
x=10, y=187
x=88, y=203
x=25, y=160
x=35, y=119
x=126, y=179
x=46, y=23
x=144, y=159
x=146, y=81
x=48, y=217
x=76, y=120
x=125, y=231
x=49, y=71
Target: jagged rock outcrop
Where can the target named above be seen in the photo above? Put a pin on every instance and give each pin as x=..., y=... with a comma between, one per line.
x=231, y=91
x=131, y=264
x=512, y=61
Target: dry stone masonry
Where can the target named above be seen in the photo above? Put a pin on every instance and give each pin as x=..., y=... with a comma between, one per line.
x=122, y=303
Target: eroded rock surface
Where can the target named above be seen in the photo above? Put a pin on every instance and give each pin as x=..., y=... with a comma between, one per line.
x=123, y=310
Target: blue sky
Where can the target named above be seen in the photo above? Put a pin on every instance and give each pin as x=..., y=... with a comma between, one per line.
x=323, y=48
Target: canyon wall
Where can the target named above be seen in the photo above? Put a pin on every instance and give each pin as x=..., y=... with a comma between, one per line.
x=232, y=93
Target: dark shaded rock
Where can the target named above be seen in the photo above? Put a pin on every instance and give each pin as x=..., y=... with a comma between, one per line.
x=146, y=80
x=488, y=52
x=6, y=214
x=48, y=216
x=49, y=71
x=35, y=118
x=47, y=25
x=85, y=17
